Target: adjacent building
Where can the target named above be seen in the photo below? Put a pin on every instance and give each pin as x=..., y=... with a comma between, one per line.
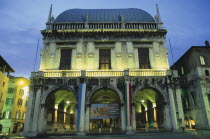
x=103, y=70
x=193, y=68
x=5, y=70
x=15, y=105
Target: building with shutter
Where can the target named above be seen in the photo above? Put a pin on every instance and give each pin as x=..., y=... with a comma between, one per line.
x=15, y=105
x=5, y=70
x=193, y=68
x=103, y=70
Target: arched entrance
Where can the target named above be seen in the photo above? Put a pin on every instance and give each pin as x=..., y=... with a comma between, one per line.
x=105, y=112
x=149, y=106
x=60, y=110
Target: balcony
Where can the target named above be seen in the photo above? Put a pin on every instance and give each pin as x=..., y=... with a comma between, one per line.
x=101, y=73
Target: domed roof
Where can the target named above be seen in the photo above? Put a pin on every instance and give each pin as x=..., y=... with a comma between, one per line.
x=104, y=15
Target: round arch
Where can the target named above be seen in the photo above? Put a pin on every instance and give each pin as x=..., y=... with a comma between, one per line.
x=101, y=87
x=156, y=89
x=55, y=89
x=59, y=111
x=151, y=108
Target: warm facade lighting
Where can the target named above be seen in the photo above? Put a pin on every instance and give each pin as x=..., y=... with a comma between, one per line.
x=21, y=82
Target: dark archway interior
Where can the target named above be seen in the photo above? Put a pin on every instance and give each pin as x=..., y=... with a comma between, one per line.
x=149, y=109
x=61, y=109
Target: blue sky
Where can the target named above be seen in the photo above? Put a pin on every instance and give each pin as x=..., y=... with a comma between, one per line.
x=187, y=22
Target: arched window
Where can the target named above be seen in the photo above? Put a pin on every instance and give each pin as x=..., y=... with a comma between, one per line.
x=206, y=72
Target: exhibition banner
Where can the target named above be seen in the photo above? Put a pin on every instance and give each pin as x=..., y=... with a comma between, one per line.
x=104, y=111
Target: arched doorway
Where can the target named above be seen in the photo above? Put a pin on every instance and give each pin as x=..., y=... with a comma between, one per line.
x=149, y=106
x=105, y=112
x=61, y=112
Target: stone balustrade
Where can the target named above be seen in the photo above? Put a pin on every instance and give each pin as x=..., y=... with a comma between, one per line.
x=101, y=73
x=70, y=26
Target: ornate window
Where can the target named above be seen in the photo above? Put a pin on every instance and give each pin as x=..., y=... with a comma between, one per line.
x=144, y=62
x=65, y=61
x=104, y=59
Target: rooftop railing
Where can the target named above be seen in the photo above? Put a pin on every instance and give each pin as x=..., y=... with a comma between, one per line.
x=72, y=26
x=101, y=73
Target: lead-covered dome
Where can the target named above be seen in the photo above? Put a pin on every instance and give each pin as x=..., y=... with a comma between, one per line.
x=104, y=15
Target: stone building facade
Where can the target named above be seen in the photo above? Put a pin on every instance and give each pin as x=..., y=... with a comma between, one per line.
x=5, y=70
x=103, y=70
x=194, y=68
x=15, y=105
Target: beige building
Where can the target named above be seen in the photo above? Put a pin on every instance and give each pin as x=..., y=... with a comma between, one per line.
x=5, y=70
x=194, y=68
x=15, y=105
x=103, y=70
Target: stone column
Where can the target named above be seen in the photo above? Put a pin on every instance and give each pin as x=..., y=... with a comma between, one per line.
x=55, y=123
x=123, y=120
x=155, y=117
x=172, y=109
x=29, y=113
x=180, y=107
x=87, y=119
x=147, y=122
x=81, y=109
x=64, y=117
x=129, y=108
x=42, y=121
x=134, y=117
x=37, y=106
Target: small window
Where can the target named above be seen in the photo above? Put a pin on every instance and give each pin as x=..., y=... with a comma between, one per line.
x=11, y=90
x=206, y=72
x=17, y=116
x=24, y=115
x=7, y=114
x=3, y=84
x=202, y=60
x=9, y=101
x=20, y=101
x=21, y=93
x=1, y=94
x=182, y=70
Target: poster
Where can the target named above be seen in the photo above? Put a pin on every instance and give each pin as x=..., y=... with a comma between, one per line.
x=104, y=111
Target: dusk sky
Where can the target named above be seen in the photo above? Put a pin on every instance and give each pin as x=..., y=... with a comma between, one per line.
x=187, y=22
